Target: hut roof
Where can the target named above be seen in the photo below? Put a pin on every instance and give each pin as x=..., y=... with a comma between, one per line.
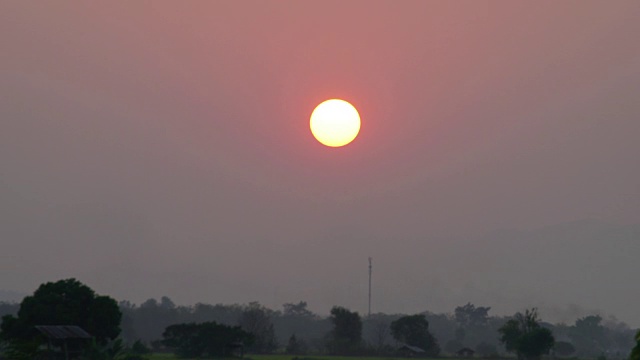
x=415, y=349
x=63, y=332
x=465, y=350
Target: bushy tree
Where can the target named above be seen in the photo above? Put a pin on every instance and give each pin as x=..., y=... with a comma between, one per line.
x=486, y=350
x=452, y=346
x=589, y=336
x=296, y=346
x=139, y=348
x=635, y=353
x=346, y=336
x=65, y=302
x=524, y=336
x=414, y=330
x=147, y=321
x=297, y=310
x=205, y=339
x=563, y=348
x=472, y=324
x=256, y=320
x=114, y=350
x=470, y=316
x=296, y=318
x=377, y=329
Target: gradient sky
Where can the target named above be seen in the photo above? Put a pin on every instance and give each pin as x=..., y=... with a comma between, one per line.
x=162, y=148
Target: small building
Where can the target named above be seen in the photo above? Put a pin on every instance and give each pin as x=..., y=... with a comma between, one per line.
x=237, y=349
x=64, y=340
x=410, y=351
x=465, y=352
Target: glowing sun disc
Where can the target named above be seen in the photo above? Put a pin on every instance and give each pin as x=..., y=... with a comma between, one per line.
x=335, y=123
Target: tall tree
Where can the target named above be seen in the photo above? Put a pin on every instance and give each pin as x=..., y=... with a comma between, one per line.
x=589, y=336
x=346, y=336
x=563, y=348
x=470, y=316
x=472, y=324
x=296, y=318
x=414, y=330
x=296, y=346
x=379, y=334
x=297, y=310
x=205, y=339
x=635, y=353
x=256, y=320
x=149, y=319
x=65, y=302
x=526, y=337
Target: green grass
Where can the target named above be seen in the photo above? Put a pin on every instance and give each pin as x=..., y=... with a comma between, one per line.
x=318, y=357
x=159, y=356
x=284, y=357
x=332, y=357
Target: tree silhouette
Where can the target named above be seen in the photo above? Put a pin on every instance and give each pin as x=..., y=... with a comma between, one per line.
x=635, y=353
x=346, y=336
x=414, y=330
x=65, y=302
x=524, y=336
x=205, y=339
x=256, y=320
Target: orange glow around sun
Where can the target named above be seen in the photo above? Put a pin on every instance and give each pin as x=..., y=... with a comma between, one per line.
x=335, y=123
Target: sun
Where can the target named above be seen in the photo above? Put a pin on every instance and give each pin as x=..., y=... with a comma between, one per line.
x=335, y=123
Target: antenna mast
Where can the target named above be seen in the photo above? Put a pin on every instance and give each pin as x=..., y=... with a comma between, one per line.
x=370, y=270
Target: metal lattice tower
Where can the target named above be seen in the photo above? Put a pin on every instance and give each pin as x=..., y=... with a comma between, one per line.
x=370, y=270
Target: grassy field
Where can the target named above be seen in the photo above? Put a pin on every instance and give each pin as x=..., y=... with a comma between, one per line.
x=285, y=357
x=162, y=357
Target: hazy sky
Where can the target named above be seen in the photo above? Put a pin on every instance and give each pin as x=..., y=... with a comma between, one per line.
x=162, y=148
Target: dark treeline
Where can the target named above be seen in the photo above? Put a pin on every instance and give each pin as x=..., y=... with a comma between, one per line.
x=294, y=328
x=125, y=330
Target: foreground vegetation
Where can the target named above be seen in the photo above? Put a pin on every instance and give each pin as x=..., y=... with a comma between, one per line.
x=164, y=356
x=220, y=331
